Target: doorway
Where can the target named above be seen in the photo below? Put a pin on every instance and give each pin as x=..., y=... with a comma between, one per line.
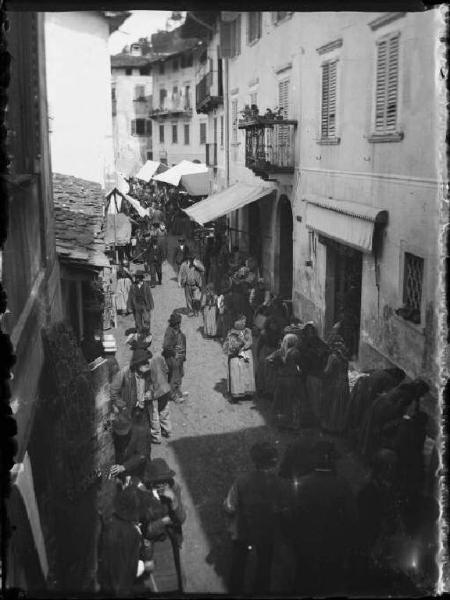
x=285, y=259
x=343, y=295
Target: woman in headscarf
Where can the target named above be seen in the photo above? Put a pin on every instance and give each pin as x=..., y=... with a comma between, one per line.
x=335, y=389
x=268, y=342
x=314, y=354
x=289, y=387
x=209, y=311
x=238, y=347
x=225, y=309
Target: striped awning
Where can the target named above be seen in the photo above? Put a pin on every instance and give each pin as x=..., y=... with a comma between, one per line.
x=350, y=223
x=233, y=198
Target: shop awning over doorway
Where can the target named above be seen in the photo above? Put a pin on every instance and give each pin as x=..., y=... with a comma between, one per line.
x=229, y=200
x=349, y=223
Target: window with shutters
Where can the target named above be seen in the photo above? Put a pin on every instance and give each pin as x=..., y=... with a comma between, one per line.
x=230, y=38
x=186, y=134
x=254, y=26
x=221, y=132
x=234, y=121
x=329, y=100
x=175, y=134
x=161, y=134
x=202, y=133
x=412, y=287
x=187, y=97
x=148, y=125
x=283, y=104
x=139, y=127
x=387, y=84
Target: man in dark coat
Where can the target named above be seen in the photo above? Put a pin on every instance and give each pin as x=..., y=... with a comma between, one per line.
x=120, y=546
x=132, y=444
x=324, y=513
x=154, y=260
x=258, y=503
x=181, y=254
x=140, y=302
x=174, y=351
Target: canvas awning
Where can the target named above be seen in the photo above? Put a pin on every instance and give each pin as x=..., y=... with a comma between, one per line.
x=142, y=212
x=194, y=177
x=349, y=223
x=150, y=169
x=235, y=197
x=118, y=230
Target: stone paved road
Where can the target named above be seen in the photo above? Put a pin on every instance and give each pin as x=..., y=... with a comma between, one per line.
x=210, y=441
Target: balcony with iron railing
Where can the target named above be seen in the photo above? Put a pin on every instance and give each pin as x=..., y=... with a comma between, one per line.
x=179, y=105
x=208, y=92
x=269, y=145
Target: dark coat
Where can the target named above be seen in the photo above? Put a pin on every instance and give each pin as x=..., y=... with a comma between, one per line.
x=134, y=304
x=134, y=450
x=154, y=255
x=120, y=548
x=174, y=344
x=181, y=255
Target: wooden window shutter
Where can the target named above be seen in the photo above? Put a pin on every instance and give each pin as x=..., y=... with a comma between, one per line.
x=133, y=127
x=392, y=84
x=329, y=93
x=225, y=39
x=325, y=88
x=386, y=89
x=283, y=97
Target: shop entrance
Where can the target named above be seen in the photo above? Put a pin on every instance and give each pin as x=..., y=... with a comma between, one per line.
x=343, y=292
x=285, y=264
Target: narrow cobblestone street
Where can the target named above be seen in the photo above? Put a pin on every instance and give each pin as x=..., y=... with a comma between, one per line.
x=211, y=439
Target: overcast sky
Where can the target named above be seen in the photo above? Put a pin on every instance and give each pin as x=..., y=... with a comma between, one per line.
x=142, y=23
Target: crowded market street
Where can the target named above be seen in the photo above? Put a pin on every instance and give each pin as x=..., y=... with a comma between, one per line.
x=210, y=441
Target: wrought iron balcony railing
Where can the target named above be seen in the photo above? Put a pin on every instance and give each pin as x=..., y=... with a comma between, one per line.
x=181, y=105
x=269, y=145
x=208, y=92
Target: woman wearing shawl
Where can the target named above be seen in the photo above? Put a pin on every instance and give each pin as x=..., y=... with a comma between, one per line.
x=335, y=390
x=225, y=309
x=314, y=355
x=238, y=347
x=209, y=311
x=290, y=389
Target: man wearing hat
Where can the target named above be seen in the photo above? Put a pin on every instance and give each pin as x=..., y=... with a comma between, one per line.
x=190, y=278
x=324, y=520
x=159, y=478
x=130, y=387
x=154, y=259
x=121, y=545
x=257, y=503
x=181, y=253
x=174, y=351
x=132, y=443
x=140, y=302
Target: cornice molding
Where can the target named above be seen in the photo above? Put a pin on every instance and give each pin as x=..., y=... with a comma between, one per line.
x=283, y=68
x=330, y=46
x=385, y=20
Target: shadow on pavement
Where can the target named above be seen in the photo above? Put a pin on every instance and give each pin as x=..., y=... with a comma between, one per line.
x=209, y=465
x=222, y=388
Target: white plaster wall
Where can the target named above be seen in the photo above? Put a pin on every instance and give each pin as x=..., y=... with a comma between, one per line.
x=130, y=151
x=79, y=95
x=400, y=177
x=179, y=151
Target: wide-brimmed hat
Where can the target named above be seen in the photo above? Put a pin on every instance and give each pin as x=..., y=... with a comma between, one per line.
x=140, y=357
x=175, y=318
x=158, y=471
x=122, y=423
x=127, y=505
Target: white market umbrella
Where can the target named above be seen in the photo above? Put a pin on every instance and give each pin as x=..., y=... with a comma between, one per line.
x=193, y=176
x=146, y=172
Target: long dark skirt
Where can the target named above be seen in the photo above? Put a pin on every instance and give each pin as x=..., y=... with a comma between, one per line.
x=265, y=373
x=289, y=394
